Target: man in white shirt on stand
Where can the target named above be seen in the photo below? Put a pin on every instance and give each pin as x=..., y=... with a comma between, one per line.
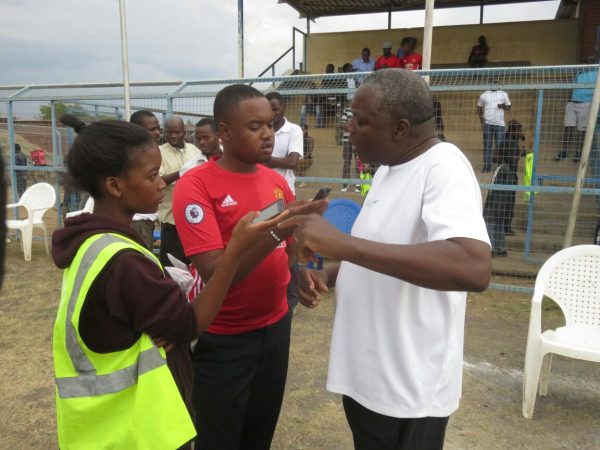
x=418, y=244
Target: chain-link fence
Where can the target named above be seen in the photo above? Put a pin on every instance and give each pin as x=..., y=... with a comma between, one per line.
x=521, y=128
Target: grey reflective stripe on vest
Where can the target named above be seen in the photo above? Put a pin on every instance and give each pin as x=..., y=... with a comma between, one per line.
x=88, y=383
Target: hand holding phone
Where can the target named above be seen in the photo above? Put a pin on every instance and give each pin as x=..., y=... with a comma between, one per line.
x=270, y=211
x=322, y=193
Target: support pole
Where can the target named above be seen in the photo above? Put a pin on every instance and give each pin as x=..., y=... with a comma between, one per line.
x=390, y=17
x=55, y=162
x=427, y=36
x=293, y=49
x=241, y=38
x=481, y=13
x=305, y=61
x=583, y=163
x=11, y=152
x=125, y=59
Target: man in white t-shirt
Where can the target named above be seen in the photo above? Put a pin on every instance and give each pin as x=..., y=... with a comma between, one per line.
x=490, y=108
x=288, y=150
x=289, y=145
x=418, y=244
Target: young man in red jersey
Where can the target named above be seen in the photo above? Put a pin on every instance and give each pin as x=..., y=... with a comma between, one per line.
x=240, y=363
x=410, y=59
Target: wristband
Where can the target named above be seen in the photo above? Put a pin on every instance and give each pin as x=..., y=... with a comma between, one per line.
x=274, y=236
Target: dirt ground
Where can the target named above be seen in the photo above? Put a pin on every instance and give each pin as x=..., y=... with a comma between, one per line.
x=311, y=418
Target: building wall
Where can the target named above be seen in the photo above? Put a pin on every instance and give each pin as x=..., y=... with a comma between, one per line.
x=541, y=43
x=590, y=13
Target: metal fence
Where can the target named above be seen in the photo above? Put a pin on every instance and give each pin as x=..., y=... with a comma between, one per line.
x=533, y=211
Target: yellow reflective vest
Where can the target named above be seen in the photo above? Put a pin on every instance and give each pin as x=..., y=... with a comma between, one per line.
x=364, y=188
x=126, y=399
x=527, y=174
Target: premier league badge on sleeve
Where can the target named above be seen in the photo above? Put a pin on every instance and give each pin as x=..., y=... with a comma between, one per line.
x=194, y=213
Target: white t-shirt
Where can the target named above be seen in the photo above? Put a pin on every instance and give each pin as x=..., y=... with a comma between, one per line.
x=288, y=139
x=396, y=347
x=489, y=101
x=152, y=217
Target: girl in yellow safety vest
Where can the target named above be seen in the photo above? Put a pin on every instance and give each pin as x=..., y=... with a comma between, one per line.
x=119, y=312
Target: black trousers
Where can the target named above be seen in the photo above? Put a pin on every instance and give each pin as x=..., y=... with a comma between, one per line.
x=292, y=289
x=170, y=243
x=239, y=382
x=373, y=431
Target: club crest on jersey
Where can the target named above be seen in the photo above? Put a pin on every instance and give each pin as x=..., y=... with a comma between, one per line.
x=278, y=193
x=194, y=213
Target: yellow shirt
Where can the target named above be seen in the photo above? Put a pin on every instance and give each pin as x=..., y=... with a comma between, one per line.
x=172, y=160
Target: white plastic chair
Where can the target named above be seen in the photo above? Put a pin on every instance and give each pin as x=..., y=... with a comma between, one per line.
x=571, y=278
x=87, y=208
x=37, y=199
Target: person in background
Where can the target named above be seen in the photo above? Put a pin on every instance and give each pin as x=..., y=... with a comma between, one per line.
x=410, y=60
x=351, y=84
x=512, y=150
x=499, y=205
x=21, y=161
x=479, y=52
x=348, y=153
x=178, y=157
x=577, y=112
x=387, y=60
x=418, y=244
x=288, y=151
x=318, y=103
x=364, y=63
x=490, y=108
x=288, y=146
x=308, y=144
x=404, y=47
x=144, y=223
x=439, y=120
x=207, y=138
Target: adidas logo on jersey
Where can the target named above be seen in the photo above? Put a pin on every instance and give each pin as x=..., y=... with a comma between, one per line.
x=228, y=202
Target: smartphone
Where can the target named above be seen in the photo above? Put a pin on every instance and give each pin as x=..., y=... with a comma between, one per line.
x=323, y=193
x=270, y=211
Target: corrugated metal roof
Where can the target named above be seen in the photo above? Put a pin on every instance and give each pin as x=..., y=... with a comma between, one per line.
x=313, y=9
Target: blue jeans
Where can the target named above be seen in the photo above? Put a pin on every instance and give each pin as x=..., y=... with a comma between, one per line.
x=497, y=234
x=490, y=132
x=311, y=108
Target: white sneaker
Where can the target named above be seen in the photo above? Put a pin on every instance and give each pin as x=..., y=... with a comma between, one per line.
x=344, y=189
x=357, y=189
